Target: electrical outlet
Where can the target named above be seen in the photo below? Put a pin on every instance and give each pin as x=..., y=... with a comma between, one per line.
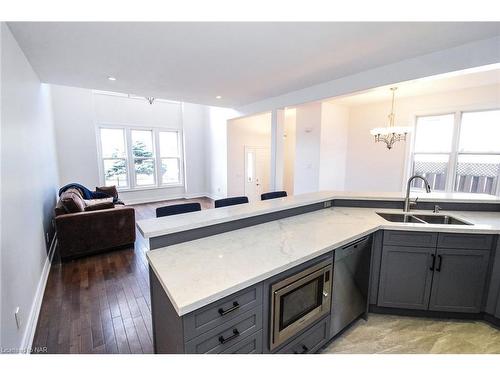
x=18, y=317
x=327, y=204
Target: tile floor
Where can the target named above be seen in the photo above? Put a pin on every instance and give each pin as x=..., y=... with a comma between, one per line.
x=386, y=334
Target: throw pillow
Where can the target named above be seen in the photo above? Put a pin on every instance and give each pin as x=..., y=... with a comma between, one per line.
x=100, y=206
x=109, y=190
x=93, y=202
x=72, y=202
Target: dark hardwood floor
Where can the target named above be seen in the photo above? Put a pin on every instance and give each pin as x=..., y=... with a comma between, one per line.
x=101, y=303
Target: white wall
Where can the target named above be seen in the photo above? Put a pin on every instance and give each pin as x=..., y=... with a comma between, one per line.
x=307, y=148
x=75, y=134
x=29, y=189
x=371, y=166
x=333, y=146
x=78, y=112
x=470, y=55
x=195, y=149
x=254, y=131
x=1, y=116
x=289, y=151
x=216, y=151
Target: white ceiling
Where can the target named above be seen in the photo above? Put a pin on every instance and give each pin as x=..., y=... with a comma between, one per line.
x=242, y=62
x=425, y=86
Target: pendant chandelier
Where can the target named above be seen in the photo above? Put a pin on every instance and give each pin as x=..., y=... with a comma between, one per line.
x=391, y=134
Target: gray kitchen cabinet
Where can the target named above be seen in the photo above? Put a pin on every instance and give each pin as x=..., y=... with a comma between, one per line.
x=459, y=280
x=405, y=277
x=250, y=345
x=309, y=341
x=412, y=239
x=497, y=311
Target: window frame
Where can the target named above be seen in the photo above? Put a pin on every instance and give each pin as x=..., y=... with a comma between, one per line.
x=102, y=178
x=133, y=158
x=130, y=158
x=179, y=158
x=451, y=175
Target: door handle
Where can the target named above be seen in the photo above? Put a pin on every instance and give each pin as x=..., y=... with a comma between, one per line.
x=304, y=348
x=438, y=268
x=235, y=306
x=433, y=262
x=235, y=334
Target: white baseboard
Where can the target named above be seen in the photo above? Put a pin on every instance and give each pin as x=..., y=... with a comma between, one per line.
x=214, y=196
x=157, y=199
x=152, y=200
x=29, y=333
x=195, y=195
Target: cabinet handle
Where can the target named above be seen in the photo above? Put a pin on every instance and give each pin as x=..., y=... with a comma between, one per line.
x=235, y=334
x=438, y=268
x=433, y=262
x=305, y=349
x=223, y=312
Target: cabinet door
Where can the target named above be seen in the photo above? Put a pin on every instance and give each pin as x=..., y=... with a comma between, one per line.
x=405, y=277
x=459, y=280
x=497, y=311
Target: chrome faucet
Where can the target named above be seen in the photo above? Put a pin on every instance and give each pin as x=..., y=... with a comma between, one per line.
x=408, y=204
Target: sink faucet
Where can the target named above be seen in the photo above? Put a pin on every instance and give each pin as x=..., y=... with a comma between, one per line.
x=408, y=204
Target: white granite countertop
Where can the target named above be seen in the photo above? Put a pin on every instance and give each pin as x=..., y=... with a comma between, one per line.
x=196, y=273
x=178, y=223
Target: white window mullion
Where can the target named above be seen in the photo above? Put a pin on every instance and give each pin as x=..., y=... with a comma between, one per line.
x=452, y=166
x=130, y=157
x=156, y=140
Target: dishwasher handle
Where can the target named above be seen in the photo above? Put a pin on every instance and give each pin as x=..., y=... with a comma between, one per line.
x=356, y=243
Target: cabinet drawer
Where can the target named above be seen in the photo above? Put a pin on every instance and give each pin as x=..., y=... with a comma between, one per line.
x=219, y=312
x=405, y=238
x=310, y=341
x=250, y=345
x=465, y=241
x=227, y=334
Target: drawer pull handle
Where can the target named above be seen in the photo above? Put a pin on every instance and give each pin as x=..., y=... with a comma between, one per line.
x=305, y=349
x=235, y=334
x=433, y=262
x=438, y=268
x=223, y=312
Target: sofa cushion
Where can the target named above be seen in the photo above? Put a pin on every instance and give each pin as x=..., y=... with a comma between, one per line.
x=59, y=209
x=109, y=190
x=100, y=206
x=93, y=202
x=72, y=201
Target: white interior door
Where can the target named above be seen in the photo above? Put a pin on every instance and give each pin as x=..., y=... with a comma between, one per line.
x=257, y=164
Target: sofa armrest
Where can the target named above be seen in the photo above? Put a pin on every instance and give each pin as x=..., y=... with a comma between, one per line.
x=90, y=231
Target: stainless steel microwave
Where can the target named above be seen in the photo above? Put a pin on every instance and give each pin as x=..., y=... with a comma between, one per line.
x=299, y=301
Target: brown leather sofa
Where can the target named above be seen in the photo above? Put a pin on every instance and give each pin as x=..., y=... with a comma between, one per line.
x=87, y=227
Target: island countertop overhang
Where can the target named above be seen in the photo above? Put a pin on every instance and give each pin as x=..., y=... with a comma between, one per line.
x=196, y=273
x=155, y=227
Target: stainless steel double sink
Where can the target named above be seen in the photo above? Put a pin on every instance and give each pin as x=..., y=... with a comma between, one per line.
x=421, y=218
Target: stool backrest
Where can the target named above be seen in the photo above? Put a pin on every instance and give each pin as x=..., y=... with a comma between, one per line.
x=230, y=201
x=177, y=209
x=273, y=195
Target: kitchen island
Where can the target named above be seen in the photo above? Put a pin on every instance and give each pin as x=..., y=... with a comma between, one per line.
x=193, y=277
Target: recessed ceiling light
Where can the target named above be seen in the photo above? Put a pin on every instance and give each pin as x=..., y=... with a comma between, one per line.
x=218, y=97
x=111, y=78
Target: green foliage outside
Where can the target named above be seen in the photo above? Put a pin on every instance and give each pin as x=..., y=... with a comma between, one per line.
x=142, y=166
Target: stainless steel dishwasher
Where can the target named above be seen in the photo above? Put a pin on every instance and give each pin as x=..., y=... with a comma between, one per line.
x=351, y=278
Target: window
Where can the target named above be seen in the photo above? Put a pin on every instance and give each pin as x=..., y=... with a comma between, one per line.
x=170, y=159
x=458, y=152
x=144, y=160
x=478, y=159
x=151, y=157
x=432, y=149
x=114, y=157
